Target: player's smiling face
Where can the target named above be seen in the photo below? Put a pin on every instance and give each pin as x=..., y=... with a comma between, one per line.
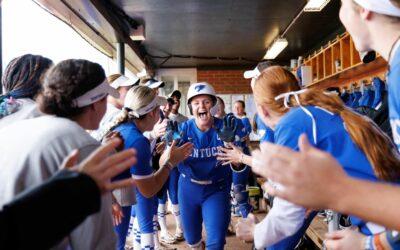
x=201, y=106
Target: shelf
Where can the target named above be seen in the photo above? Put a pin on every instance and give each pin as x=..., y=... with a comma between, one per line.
x=338, y=64
x=349, y=75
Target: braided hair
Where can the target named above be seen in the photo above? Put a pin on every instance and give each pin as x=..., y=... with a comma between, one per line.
x=22, y=79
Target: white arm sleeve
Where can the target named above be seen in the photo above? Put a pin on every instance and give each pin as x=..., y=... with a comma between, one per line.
x=282, y=221
x=149, y=135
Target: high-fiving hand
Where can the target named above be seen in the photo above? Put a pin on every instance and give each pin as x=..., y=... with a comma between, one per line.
x=228, y=131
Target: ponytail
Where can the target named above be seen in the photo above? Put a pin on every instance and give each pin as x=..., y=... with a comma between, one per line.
x=121, y=118
x=377, y=146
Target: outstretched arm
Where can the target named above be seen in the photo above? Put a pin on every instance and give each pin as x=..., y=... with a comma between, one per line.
x=314, y=179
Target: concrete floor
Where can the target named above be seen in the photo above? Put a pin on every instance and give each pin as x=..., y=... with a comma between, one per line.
x=232, y=242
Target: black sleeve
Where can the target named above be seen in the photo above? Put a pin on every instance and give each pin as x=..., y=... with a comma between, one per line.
x=41, y=217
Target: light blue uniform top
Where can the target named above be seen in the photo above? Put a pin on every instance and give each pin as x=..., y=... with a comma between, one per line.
x=267, y=134
x=331, y=136
x=393, y=78
x=246, y=123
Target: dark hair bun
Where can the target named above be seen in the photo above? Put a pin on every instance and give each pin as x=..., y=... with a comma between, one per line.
x=66, y=81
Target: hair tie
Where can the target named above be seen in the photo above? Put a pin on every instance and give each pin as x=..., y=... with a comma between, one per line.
x=286, y=100
x=286, y=97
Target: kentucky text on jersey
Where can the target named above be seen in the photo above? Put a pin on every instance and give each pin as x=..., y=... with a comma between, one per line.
x=205, y=152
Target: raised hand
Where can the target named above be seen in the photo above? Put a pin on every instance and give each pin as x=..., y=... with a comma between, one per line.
x=245, y=228
x=172, y=133
x=174, y=154
x=231, y=154
x=160, y=128
x=114, y=134
x=228, y=130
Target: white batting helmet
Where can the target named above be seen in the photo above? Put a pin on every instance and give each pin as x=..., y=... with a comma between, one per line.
x=201, y=88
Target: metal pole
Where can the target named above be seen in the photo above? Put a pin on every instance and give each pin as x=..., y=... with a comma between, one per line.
x=121, y=57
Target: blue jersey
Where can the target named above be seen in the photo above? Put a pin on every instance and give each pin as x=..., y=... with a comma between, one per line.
x=350, y=100
x=331, y=136
x=367, y=98
x=266, y=133
x=133, y=138
x=357, y=97
x=246, y=124
x=393, y=78
x=202, y=164
x=379, y=86
x=144, y=209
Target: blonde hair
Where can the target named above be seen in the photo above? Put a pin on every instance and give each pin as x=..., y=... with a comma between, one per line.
x=377, y=146
x=112, y=78
x=137, y=97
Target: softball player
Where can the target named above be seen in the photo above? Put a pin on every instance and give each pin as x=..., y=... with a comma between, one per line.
x=140, y=114
x=170, y=189
x=204, y=183
x=331, y=127
x=240, y=113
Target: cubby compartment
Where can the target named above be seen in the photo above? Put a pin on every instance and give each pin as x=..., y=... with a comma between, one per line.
x=328, y=62
x=338, y=61
x=345, y=52
x=336, y=58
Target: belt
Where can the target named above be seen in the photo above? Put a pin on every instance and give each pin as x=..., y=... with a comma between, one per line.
x=206, y=182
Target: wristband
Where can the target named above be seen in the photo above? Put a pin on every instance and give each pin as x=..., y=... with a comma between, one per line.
x=169, y=165
x=377, y=242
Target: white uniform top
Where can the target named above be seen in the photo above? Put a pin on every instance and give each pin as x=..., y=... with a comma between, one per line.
x=111, y=113
x=283, y=220
x=28, y=110
x=32, y=150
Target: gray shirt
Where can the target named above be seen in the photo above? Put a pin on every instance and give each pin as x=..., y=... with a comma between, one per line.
x=109, y=117
x=179, y=118
x=32, y=150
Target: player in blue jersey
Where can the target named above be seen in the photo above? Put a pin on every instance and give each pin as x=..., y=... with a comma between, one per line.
x=204, y=183
x=141, y=112
x=170, y=189
x=239, y=111
x=353, y=140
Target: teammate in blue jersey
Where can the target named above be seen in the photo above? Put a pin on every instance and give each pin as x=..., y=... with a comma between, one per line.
x=367, y=98
x=170, y=188
x=239, y=111
x=140, y=114
x=204, y=183
x=393, y=78
x=356, y=100
x=330, y=127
